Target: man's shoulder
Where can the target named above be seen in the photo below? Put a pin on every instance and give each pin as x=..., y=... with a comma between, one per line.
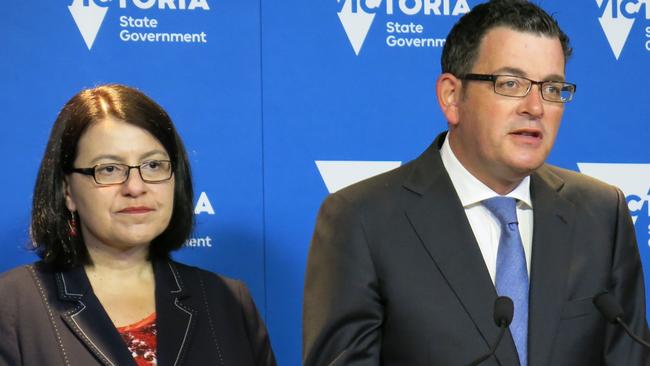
x=414, y=176
x=576, y=185
x=380, y=186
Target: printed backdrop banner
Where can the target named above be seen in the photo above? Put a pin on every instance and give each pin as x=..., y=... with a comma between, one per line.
x=280, y=103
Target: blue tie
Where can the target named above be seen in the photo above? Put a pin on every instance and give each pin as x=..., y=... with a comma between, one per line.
x=512, y=276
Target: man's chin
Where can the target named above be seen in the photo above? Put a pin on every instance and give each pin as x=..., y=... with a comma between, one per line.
x=528, y=160
x=524, y=169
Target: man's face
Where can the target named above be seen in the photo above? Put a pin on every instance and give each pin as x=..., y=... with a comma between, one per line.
x=501, y=139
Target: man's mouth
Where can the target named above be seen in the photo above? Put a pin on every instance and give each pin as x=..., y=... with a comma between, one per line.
x=529, y=133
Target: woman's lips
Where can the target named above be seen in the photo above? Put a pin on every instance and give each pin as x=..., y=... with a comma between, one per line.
x=135, y=210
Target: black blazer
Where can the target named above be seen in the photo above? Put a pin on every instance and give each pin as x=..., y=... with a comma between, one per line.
x=52, y=318
x=395, y=276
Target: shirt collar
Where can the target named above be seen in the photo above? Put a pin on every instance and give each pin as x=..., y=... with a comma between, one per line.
x=472, y=191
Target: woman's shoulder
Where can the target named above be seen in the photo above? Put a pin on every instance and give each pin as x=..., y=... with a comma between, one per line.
x=21, y=284
x=211, y=283
x=227, y=303
x=16, y=278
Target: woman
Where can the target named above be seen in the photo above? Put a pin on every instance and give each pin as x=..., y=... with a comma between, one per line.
x=113, y=197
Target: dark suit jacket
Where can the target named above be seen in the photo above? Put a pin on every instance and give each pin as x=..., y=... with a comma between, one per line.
x=395, y=276
x=53, y=318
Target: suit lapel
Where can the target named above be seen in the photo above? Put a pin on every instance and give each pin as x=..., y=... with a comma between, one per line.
x=440, y=222
x=552, y=237
x=88, y=321
x=176, y=319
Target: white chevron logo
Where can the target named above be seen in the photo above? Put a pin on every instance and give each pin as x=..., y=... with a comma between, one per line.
x=89, y=18
x=356, y=22
x=339, y=174
x=632, y=179
x=616, y=25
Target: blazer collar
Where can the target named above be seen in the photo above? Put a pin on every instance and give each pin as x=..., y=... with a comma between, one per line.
x=440, y=222
x=427, y=168
x=87, y=319
x=85, y=316
x=176, y=317
x=553, y=224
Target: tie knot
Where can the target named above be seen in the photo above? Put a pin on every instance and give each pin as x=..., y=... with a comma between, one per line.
x=504, y=208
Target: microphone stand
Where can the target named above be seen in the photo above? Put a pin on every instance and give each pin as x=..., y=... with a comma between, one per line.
x=493, y=349
x=629, y=332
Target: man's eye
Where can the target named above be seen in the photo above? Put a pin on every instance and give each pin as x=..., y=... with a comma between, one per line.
x=509, y=84
x=552, y=89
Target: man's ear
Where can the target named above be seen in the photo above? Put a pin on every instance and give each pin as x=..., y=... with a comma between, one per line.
x=448, y=90
x=69, y=201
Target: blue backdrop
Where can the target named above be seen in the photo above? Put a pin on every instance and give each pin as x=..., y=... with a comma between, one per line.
x=281, y=102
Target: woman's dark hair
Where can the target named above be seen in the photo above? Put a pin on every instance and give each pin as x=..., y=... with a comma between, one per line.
x=50, y=231
x=463, y=42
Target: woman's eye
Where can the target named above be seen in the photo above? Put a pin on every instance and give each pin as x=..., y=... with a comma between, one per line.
x=151, y=165
x=108, y=169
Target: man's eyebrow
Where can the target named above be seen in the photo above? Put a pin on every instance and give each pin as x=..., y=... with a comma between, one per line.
x=510, y=71
x=519, y=72
x=554, y=77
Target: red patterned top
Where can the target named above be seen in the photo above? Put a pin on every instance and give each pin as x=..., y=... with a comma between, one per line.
x=140, y=338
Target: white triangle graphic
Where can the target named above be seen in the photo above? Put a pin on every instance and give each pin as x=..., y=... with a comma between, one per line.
x=632, y=179
x=88, y=19
x=356, y=25
x=339, y=174
x=616, y=29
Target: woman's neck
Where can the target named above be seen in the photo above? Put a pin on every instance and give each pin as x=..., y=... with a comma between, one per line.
x=123, y=281
x=118, y=263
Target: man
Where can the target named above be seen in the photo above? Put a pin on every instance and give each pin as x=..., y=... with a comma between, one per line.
x=404, y=268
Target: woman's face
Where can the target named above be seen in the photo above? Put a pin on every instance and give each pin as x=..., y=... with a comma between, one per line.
x=122, y=216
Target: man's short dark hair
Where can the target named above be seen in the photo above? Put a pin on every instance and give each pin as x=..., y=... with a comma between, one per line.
x=462, y=46
x=49, y=230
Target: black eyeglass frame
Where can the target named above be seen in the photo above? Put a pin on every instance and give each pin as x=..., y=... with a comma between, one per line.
x=91, y=171
x=493, y=78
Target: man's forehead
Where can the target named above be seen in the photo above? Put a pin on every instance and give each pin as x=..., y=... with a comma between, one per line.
x=520, y=53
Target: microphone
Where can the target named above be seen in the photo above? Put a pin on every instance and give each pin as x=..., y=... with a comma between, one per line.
x=503, y=312
x=613, y=313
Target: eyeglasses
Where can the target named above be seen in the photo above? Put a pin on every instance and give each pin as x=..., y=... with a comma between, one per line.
x=517, y=86
x=151, y=171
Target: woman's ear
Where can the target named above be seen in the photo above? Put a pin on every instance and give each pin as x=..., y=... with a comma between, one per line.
x=69, y=201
